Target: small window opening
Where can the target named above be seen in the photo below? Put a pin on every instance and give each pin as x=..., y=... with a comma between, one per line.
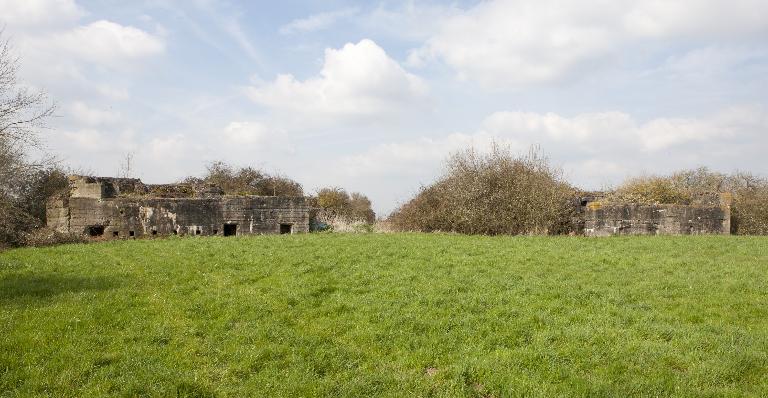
x=154, y=232
x=115, y=234
x=95, y=230
x=230, y=229
x=198, y=232
x=131, y=233
x=215, y=231
x=286, y=229
x=175, y=232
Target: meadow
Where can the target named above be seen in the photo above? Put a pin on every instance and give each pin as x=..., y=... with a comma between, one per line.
x=387, y=315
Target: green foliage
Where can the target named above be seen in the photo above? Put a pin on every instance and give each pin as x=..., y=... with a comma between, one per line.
x=491, y=194
x=386, y=315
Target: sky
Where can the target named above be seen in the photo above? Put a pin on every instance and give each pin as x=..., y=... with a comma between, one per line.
x=373, y=96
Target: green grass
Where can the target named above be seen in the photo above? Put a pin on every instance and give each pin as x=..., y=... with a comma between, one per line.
x=387, y=315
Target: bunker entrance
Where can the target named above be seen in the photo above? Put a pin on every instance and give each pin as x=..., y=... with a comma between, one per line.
x=95, y=230
x=285, y=229
x=230, y=229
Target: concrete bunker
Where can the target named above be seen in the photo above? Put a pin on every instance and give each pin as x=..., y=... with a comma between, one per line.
x=707, y=214
x=120, y=207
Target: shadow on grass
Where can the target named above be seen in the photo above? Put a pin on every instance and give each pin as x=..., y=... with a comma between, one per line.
x=41, y=287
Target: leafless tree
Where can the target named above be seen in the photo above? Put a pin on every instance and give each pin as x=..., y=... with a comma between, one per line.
x=125, y=170
x=22, y=111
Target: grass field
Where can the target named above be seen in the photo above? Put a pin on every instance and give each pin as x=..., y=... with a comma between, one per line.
x=387, y=315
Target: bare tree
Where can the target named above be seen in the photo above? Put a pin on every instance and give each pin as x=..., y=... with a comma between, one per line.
x=22, y=111
x=22, y=115
x=125, y=170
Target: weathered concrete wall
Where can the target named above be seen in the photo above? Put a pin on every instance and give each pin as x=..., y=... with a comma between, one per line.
x=94, y=207
x=635, y=219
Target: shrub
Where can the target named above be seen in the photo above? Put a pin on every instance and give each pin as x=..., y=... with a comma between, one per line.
x=492, y=193
x=23, y=203
x=14, y=223
x=651, y=190
x=749, y=214
x=339, y=210
x=246, y=181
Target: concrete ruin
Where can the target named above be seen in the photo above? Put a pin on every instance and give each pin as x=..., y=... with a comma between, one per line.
x=113, y=208
x=708, y=214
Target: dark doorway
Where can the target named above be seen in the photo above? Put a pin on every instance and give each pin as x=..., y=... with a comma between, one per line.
x=230, y=229
x=131, y=234
x=286, y=229
x=95, y=230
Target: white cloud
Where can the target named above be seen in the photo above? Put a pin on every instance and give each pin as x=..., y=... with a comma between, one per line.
x=317, y=21
x=171, y=146
x=91, y=142
x=704, y=18
x=107, y=42
x=512, y=43
x=416, y=157
x=712, y=61
x=356, y=80
x=246, y=132
x=409, y=20
x=594, y=132
x=90, y=116
x=38, y=14
x=595, y=149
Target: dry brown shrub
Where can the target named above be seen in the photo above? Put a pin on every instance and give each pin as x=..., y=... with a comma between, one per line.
x=246, y=181
x=651, y=190
x=492, y=193
x=333, y=205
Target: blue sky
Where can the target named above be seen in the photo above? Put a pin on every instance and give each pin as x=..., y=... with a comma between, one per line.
x=372, y=96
